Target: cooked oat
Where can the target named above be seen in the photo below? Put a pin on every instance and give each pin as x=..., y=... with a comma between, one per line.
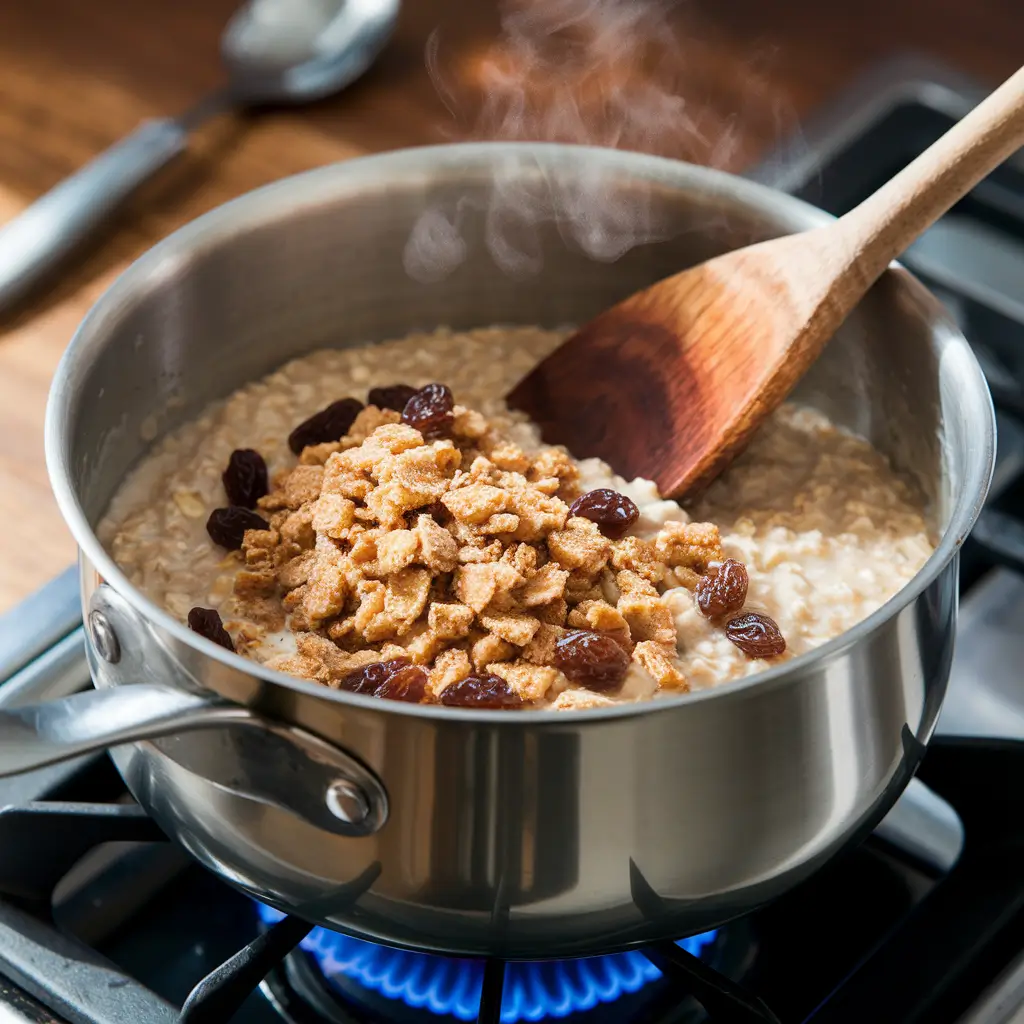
x=458, y=553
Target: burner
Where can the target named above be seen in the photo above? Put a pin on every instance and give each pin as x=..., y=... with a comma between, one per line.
x=451, y=987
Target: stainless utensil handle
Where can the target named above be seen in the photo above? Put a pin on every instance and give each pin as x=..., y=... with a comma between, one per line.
x=38, y=735
x=36, y=240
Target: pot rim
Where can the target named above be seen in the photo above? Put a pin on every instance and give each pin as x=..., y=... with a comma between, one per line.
x=296, y=192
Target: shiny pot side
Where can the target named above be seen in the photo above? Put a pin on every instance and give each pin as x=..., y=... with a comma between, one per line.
x=517, y=835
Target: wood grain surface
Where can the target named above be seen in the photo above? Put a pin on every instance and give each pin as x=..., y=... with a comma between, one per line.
x=75, y=77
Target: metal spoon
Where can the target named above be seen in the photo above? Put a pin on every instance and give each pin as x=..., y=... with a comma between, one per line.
x=274, y=51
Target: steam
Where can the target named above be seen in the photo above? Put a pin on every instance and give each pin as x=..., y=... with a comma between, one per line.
x=611, y=73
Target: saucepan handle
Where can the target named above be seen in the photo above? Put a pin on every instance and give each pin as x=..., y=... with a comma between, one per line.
x=262, y=759
x=38, y=735
x=272, y=763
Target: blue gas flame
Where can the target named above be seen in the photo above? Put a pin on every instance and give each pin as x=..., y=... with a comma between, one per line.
x=449, y=986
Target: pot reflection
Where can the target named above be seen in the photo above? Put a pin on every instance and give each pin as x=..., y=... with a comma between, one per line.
x=506, y=819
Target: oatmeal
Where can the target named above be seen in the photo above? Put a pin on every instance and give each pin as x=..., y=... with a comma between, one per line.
x=399, y=532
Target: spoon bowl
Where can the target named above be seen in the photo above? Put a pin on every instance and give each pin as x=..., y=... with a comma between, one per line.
x=297, y=51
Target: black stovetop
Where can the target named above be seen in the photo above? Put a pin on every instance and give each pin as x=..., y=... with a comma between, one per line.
x=891, y=931
x=875, y=936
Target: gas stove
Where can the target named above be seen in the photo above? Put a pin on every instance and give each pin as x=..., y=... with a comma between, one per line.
x=104, y=922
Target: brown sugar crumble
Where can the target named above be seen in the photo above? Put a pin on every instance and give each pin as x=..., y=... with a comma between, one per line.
x=425, y=556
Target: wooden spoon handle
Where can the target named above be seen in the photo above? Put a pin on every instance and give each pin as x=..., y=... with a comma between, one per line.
x=886, y=223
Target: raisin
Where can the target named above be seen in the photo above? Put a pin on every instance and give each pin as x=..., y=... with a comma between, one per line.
x=227, y=526
x=206, y=622
x=368, y=678
x=393, y=680
x=756, y=635
x=394, y=397
x=430, y=411
x=409, y=683
x=330, y=424
x=593, y=660
x=723, y=590
x=481, y=690
x=245, y=479
x=614, y=513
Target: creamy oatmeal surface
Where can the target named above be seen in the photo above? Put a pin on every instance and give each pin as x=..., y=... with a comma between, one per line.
x=490, y=583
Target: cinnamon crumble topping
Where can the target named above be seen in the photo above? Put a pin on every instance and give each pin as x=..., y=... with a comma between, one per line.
x=364, y=575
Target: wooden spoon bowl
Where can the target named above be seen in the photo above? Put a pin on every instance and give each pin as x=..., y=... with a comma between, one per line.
x=672, y=383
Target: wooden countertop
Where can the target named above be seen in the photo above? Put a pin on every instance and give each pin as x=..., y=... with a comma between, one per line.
x=75, y=77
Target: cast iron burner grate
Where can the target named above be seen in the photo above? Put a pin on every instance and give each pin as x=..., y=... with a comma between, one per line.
x=420, y=988
x=72, y=829
x=557, y=991
x=925, y=964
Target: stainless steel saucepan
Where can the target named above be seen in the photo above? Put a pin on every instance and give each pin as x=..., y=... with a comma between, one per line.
x=518, y=835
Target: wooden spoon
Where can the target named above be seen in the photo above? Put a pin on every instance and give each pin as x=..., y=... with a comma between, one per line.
x=671, y=383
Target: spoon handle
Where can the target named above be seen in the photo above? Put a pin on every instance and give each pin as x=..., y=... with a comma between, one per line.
x=887, y=222
x=34, y=242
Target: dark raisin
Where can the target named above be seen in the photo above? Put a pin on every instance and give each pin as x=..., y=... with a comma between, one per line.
x=368, y=678
x=408, y=683
x=430, y=411
x=227, y=526
x=756, y=635
x=481, y=690
x=614, y=513
x=593, y=660
x=394, y=397
x=330, y=424
x=206, y=622
x=396, y=680
x=245, y=479
x=723, y=590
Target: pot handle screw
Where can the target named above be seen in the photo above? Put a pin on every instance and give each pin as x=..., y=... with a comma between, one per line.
x=104, y=637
